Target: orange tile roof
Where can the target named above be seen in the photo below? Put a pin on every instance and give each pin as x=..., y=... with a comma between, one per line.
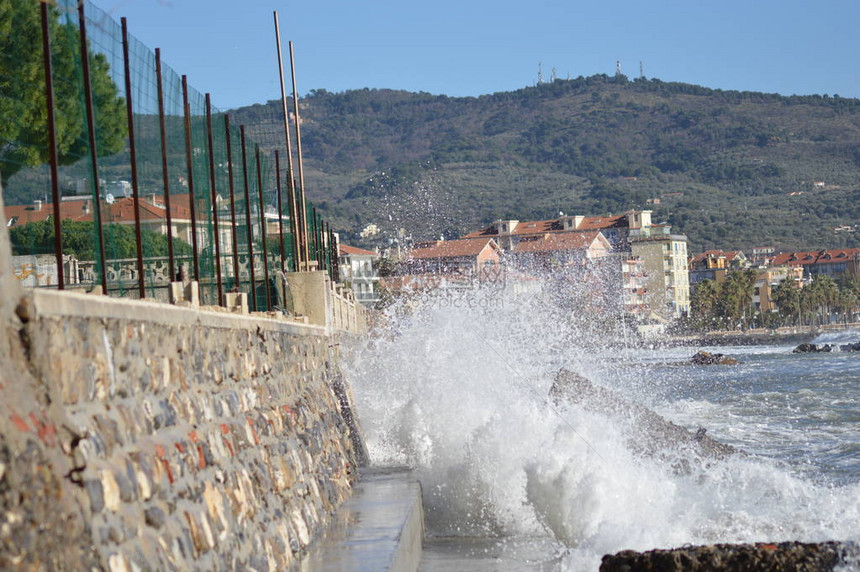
x=453, y=248
x=555, y=225
x=525, y=227
x=345, y=249
x=838, y=254
x=815, y=257
x=794, y=258
x=537, y=226
x=601, y=222
x=557, y=241
x=180, y=206
x=120, y=211
x=488, y=232
x=729, y=255
x=24, y=214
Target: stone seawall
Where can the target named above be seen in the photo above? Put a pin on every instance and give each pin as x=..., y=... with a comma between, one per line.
x=186, y=439
x=143, y=436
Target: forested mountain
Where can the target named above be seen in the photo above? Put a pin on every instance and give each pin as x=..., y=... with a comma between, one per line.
x=730, y=169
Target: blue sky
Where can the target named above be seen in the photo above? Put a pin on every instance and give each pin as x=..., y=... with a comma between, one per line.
x=470, y=48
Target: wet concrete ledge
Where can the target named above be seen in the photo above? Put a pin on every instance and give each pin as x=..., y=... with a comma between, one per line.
x=380, y=527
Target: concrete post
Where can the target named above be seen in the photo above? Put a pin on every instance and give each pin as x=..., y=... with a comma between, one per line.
x=185, y=293
x=315, y=299
x=311, y=296
x=237, y=302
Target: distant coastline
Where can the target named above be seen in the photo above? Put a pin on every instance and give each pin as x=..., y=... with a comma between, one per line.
x=761, y=336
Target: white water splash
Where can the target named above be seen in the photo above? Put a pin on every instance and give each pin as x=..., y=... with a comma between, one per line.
x=458, y=392
x=839, y=337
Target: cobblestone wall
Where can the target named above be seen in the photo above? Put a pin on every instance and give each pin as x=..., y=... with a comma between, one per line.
x=187, y=439
x=142, y=436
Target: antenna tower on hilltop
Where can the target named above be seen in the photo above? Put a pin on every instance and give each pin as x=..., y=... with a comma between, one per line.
x=540, y=73
x=641, y=71
x=618, y=68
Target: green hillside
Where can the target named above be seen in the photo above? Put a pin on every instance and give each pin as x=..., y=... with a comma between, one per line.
x=730, y=169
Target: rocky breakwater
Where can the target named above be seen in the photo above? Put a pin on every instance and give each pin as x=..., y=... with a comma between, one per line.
x=707, y=358
x=825, y=348
x=759, y=557
x=812, y=349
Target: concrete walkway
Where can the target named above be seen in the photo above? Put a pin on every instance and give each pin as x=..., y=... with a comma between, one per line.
x=380, y=527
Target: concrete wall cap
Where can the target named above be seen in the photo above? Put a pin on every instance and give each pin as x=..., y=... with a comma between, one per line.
x=51, y=303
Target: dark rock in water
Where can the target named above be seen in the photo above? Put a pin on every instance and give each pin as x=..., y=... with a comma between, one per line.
x=850, y=347
x=707, y=358
x=569, y=386
x=812, y=349
x=650, y=434
x=759, y=557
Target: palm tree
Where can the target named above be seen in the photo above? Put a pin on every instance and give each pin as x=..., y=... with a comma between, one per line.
x=845, y=302
x=819, y=297
x=737, y=294
x=703, y=302
x=787, y=298
x=848, y=298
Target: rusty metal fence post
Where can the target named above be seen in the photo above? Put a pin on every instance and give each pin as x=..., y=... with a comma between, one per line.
x=232, y=201
x=215, y=230
x=263, y=228
x=52, y=145
x=280, y=212
x=189, y=152
x=249, y=228
x=135, y=185
x=91, y=133
x=162, y=130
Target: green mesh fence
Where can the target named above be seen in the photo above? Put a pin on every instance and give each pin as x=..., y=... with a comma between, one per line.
x=164, y=191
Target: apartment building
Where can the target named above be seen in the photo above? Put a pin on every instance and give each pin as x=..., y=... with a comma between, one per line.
x=664, y=258
x=356, y=269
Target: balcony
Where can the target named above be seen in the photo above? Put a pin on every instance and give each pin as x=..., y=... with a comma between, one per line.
x=367, y=297
x=365, y=275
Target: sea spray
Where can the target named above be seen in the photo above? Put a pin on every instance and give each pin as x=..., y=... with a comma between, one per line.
x=460, y=392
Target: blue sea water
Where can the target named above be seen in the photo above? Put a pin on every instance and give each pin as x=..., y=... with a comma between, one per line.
x=459, y=393
x=800, y=411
